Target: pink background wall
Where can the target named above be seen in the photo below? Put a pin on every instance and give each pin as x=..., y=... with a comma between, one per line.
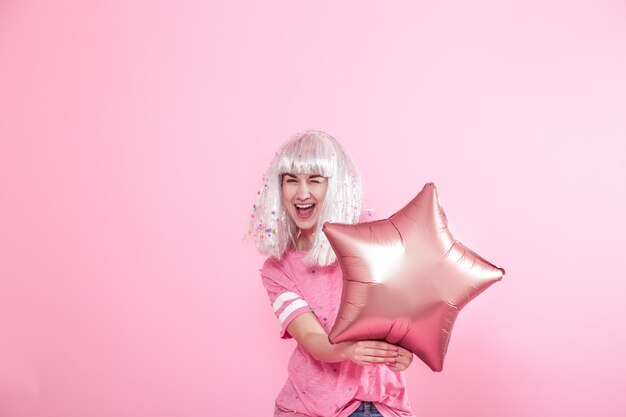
x=133, y=137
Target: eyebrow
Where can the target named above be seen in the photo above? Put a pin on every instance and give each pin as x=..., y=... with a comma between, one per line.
x=310, y=176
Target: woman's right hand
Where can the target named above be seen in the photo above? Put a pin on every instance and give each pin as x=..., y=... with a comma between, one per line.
x=370, y=352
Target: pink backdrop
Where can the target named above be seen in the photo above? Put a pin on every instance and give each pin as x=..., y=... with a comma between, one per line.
x=133, y=137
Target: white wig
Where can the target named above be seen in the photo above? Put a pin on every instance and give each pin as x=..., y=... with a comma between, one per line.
x=308, y=152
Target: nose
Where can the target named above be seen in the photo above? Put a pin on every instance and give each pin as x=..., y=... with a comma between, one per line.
x=303, y=192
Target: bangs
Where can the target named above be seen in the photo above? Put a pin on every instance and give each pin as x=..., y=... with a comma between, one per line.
x=309, y=155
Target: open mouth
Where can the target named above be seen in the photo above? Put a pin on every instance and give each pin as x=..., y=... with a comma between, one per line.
x=304, y=211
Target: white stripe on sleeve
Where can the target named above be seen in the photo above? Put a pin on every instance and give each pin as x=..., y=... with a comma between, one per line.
x=290, y=309
x=286, y=296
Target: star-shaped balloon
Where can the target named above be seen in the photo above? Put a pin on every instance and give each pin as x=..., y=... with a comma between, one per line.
x=406, y=278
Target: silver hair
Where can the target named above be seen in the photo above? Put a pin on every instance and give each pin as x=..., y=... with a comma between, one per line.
x=306, y=152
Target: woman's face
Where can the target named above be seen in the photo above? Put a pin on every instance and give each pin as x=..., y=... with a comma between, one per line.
x=303, y=195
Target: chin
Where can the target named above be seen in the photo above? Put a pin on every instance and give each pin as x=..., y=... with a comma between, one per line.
x=307, y=226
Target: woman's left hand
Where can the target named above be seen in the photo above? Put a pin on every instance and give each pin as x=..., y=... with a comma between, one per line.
x=403, y=360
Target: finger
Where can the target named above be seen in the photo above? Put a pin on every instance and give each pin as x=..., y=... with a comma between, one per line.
x=377, y=344
x=398, y=366
x=404, y=351
x=402, y=360
x=376, y=359
x=370, y=351
x=379, y=352
x=394, y=367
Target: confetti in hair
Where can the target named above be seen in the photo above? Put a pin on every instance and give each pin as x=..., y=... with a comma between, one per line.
x=307, y=152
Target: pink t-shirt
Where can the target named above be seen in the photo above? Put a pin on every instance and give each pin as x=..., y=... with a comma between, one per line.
x=315, y=388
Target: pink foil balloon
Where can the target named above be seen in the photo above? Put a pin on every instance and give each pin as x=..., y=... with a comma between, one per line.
x=406, y=279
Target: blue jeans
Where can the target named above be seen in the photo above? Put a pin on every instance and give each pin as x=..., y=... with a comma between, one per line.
x=366, y=409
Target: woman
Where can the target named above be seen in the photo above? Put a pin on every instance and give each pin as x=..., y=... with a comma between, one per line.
x=312, y=180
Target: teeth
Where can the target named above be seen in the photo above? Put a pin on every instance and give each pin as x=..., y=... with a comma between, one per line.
x=304, y=206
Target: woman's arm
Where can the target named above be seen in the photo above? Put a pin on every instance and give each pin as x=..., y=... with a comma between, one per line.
x=308, y=332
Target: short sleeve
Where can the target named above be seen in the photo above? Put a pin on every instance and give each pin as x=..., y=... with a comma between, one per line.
x=285, y=297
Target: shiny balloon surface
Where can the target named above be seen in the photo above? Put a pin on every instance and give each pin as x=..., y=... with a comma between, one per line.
x=406, y=278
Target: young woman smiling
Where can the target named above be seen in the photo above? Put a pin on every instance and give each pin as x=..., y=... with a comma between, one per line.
x=312, y=180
